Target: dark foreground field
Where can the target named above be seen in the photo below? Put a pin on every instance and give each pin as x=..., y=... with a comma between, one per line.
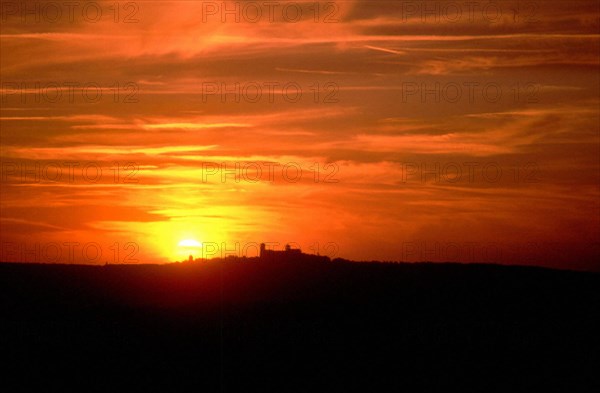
x=301, y=327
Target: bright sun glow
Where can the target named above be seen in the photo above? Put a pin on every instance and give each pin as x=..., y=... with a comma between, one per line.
x=188, y=247
x=189, y=243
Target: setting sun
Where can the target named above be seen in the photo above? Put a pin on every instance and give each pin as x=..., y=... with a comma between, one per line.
x=188, y=247
x=189, y=243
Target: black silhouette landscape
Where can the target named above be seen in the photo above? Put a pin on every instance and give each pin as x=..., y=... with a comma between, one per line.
x=290, y=322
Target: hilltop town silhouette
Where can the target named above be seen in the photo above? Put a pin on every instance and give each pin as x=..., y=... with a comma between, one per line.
x=288, y=254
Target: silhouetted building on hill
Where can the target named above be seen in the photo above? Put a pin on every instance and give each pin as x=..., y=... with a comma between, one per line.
x=289, y=254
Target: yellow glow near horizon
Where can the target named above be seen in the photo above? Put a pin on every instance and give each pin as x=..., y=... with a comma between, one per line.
x=176, y=240
x=189, y=243
x=188, y=247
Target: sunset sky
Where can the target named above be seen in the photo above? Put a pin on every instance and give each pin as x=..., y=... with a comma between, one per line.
x=368, y=130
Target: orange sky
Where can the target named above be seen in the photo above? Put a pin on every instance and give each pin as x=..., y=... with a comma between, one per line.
x=468, y=133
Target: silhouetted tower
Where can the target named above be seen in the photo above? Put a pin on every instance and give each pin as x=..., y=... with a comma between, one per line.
x=191, y=258
x=287, y=248
x=262, y=250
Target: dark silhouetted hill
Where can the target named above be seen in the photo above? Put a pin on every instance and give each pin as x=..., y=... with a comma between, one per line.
x=250, y=325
